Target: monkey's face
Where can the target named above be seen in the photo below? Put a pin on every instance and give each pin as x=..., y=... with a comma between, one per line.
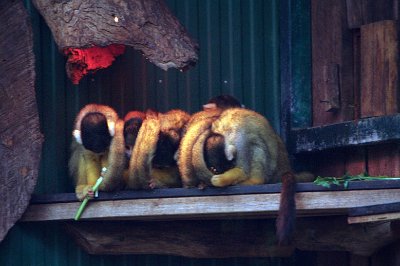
x=214, y=154
x=131, y=130
x=95, y=133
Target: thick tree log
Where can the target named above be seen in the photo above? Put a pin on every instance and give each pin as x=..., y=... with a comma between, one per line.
x=232, y=238
x=197, y=239
x=148, y=26
x=335, y=234
x=20, y=138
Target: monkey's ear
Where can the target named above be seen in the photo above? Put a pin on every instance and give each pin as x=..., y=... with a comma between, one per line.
x=77, y=135
x=230, y=152
x=111, y=127
x=209, y=106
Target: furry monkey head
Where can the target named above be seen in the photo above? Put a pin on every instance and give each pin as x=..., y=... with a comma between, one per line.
x=172, y=124
x=132, y=123
x=95, y=133
x=222, y=102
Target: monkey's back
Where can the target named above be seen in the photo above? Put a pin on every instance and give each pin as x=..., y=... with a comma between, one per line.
x=257, y=145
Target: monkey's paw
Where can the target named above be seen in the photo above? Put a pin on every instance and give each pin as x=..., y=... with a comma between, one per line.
x=87, y=192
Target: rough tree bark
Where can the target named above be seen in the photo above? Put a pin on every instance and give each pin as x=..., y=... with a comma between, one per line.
x=20, y=138
x=148, y=26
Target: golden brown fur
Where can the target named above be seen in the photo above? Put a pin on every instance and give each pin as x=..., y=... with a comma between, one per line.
x=253, y=143
x=143, y=172
x=192, y=166
x=257, y=152
x=85, y=166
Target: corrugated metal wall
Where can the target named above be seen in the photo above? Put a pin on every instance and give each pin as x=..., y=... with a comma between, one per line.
x=239, y=55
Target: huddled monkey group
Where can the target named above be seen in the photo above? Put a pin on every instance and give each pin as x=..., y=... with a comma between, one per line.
x=224, y=144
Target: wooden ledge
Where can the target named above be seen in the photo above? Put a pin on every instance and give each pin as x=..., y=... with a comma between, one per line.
x=210, y=223
x=220, y=203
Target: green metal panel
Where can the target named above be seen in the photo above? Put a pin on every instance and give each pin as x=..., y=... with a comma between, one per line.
x=239, y=55
x=301, y=60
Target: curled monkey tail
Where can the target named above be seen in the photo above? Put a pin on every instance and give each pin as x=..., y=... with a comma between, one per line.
x=285, y=222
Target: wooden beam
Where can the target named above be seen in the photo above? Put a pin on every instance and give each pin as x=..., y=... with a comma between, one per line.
x=353, y=133
x=224, y=206
x=374, y=218
x=374, y=213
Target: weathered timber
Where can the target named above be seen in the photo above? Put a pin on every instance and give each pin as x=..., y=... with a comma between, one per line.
x=198, y=239
x=20, y=138
x=332, y=63
x=361, y=12
x=374, y=218
x=221, y=207
x=212, y=191
x=148, y=26
x=379, y=69
x=335, y=234
x=375, y=209
x=374, y=213
x=228, y=238
x=365, y=131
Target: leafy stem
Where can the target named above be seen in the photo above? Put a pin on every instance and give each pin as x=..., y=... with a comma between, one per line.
x=345, y=179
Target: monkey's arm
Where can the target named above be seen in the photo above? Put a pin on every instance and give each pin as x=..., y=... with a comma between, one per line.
x=114, y=161
x=89, y=167
x=143, y=152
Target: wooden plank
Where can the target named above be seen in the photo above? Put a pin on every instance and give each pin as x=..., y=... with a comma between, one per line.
x=375, y=209
x=361, y=12
x=365, y=131
x=374, y=213
x=211, y=191
x=227, y=206
x=379, y=69
x=374, y=218
x=331, y=46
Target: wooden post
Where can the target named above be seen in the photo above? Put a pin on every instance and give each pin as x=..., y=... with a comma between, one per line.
x=361, y=12
x=332, y=63
x=379, y=68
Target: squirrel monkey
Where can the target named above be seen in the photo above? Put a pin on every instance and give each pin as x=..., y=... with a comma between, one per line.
x=209, y=147
x=97, y=143
x=251, y=153
x=152, y=164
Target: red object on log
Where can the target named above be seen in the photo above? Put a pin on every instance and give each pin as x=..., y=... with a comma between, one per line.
x=82, y=61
